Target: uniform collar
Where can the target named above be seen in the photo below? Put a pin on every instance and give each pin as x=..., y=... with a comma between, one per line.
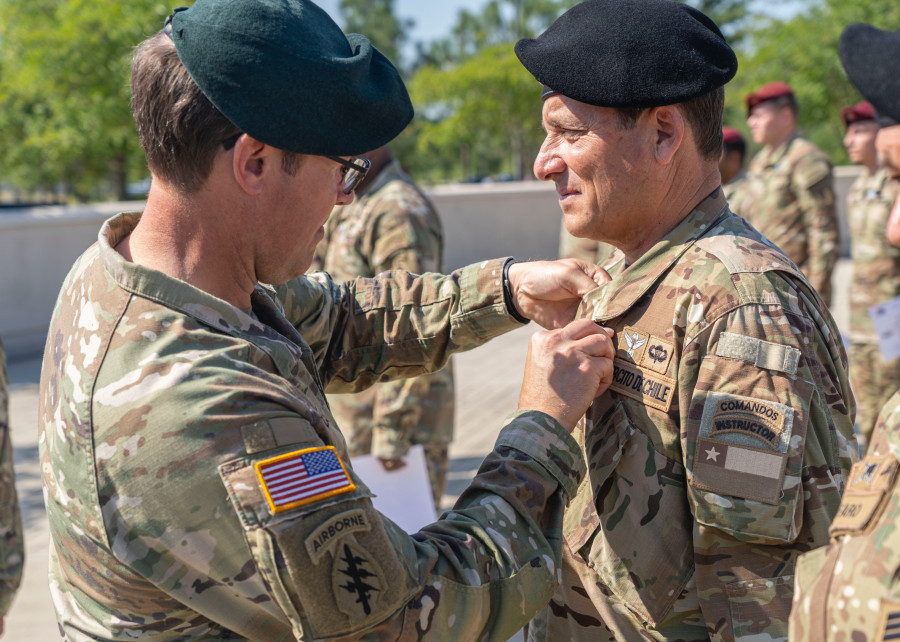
x=627, y=286
x=268, y=330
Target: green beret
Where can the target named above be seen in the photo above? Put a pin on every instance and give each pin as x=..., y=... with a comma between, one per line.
x=629, y=53
x=284, y=72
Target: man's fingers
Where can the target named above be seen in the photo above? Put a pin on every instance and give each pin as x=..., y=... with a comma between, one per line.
x=585, y=328
x=596, y=345
x=586, y=278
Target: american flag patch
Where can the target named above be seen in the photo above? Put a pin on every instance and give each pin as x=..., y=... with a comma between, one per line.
x=303, y=476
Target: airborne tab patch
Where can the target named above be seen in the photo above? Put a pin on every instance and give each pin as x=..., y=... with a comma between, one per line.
x=303, y=476
x=328, y=534
x=649, y=388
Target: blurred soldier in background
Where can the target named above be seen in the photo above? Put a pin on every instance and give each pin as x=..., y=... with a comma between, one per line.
x=790, y=196
x=731, y=167
x=12, y=545
x=848, y=590
x=391, y=225
x=876, y=267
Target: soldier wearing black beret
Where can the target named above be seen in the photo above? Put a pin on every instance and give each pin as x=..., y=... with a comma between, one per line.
x=197, y=484
x=848, y=590
x=721, y=449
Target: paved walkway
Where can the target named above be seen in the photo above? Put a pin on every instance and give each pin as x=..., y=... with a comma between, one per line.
x=488, y=381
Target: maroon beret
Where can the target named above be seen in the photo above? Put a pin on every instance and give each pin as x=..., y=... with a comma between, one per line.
x=731, y=135
x=855, y=113
x=769, y=91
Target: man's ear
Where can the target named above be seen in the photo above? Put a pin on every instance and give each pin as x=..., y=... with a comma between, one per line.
x=670, y=130
x=252, y=160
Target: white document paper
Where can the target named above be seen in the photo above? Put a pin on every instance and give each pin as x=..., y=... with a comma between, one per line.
x=404, y=495
x=886, y=318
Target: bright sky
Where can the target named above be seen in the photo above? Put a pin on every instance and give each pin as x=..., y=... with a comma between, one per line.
x=433, y=18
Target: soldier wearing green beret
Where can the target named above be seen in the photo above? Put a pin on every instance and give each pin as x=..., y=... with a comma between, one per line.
x=721, y=449
x=197, y=485
x=848, y=590
x=391, y=225
x=789, y=196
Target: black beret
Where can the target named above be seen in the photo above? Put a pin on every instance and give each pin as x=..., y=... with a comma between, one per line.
x=284, y=72
x=870, y=57
x=630, y=53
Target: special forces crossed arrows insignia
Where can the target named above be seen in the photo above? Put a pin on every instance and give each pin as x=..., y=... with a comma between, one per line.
x=357, y=579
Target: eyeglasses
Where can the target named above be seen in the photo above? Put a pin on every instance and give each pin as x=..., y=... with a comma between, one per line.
x=353, y=173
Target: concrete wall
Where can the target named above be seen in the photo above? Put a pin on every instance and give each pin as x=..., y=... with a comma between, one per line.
x=499, y=219
x=37, y=248
x=38, y=245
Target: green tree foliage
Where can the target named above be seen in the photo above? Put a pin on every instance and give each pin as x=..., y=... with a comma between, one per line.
x=64, y=83
x=500, y=21
x=377, y=21
x=479, y=108
x=64, y=93
x=803, y=52
x=477, y=118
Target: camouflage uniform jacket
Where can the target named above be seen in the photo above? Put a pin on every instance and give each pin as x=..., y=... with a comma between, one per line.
x=876, y=263
x=848, y=591
x=198, y=489
x=12, y=545
x=790, y=199
x=390, y=226
x=720, y=452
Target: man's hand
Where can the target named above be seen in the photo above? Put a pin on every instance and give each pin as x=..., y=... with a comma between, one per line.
x=549, y=292
x=566, y=370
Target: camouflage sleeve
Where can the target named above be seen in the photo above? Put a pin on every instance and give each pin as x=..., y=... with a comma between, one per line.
x=337, y=568
x=863, y=556
x=395, y=324
x=406, y=236
x=12, y=548
x=813, y=185
x=761, y=453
